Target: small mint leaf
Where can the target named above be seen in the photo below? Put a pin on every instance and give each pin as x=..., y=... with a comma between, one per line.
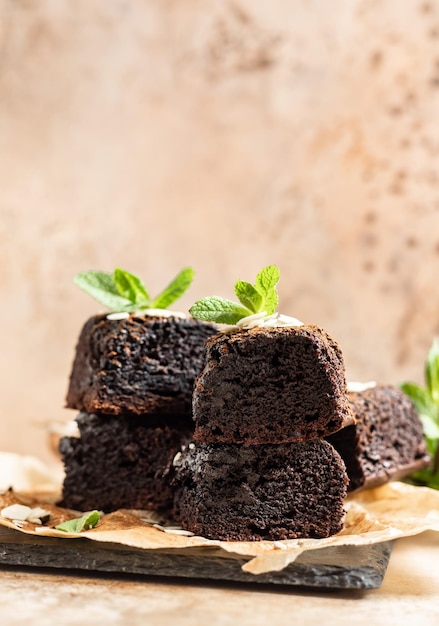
x=431, y=428
x=248, y=296
x=265, y=284
x=267, y=279
x=426, y=403
x=101, y=286
x=432, y=370
x=131, y=287
x=421, y=399
x=76, y=525
x=174, y=290
x=219, y=310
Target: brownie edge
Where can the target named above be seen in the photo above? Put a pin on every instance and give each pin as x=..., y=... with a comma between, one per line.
x=138, y=365
x=387, y=441
x=266, y=492
x=271, y=385
x=121, y=462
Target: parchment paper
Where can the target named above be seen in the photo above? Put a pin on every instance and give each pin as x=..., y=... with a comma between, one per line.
x=385, y=513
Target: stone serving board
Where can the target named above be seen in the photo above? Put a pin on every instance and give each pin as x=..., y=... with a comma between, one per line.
x=343, y=567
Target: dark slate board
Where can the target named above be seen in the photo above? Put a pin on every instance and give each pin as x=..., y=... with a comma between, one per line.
x=346, y=567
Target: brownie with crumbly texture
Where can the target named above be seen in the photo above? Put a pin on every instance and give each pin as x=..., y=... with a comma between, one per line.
x=138, y=365
x=271, y=385
x=387, y=441
x=121, y=462
x=265, y=492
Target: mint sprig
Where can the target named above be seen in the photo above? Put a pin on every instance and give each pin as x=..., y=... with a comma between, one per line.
x=122, y=291
x=78, y=524
x=257, y=298
x=426, y=402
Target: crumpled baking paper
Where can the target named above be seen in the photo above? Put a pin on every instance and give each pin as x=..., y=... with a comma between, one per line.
x=372, y=516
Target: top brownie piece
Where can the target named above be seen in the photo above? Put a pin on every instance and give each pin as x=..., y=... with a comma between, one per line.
x=271, y=385
x=138, y=365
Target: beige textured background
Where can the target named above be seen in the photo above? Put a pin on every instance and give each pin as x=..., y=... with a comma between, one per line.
x=224, y=135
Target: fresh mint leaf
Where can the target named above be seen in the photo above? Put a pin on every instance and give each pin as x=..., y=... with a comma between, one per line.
x=175, y=289
x=432, y=371
x=426, y=402
x=101, y=286
x=421, y=399
x=219, y=310
x=431, y=428
x=76, y=525
x=131, y=287
x=258, y=298
x=248, y=296
x=266, y=282
x=267, y=279
x=122, y=291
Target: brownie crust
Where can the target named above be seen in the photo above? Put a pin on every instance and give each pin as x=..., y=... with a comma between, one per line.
x=271, y=385
x=121, y=462
x=386, y=443
x=266, y=492
x=138, y=365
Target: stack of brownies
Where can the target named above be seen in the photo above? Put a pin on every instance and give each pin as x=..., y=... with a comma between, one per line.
x=131, y=381
x=259, y=466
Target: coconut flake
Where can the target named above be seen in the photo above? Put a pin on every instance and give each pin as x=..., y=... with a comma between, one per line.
x=20, y=513
x=356, y=387
x=122, y=315
x=261, y=320
x=176, y=458
x=174, y=530
x=17, y=512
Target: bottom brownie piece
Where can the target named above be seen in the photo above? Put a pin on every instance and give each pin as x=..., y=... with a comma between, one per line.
x=387, y=441
x=251, y=493
x=121, y=462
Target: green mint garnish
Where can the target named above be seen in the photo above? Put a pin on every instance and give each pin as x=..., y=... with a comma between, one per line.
x=257, y=298
x=87, y=521
x=426, y=402
x=121, y=291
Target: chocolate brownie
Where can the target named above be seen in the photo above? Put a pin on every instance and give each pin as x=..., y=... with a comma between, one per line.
x=387, y=441
x=121, y=462
x=264, y=492
x=271, y=385
x=137, y=365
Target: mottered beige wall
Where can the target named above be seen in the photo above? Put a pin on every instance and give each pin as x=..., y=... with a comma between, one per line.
x=226, y=136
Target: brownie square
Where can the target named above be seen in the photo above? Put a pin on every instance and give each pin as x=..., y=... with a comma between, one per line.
x=387, y=442
x=265, y=492
x=137, y=365
x=271, y=385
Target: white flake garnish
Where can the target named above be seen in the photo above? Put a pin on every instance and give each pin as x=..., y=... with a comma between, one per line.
x=356, y=387
x=174, y=530
x=20, y=513
x=37, y=514
x=176, y=458
x=16, y=512
x=262, y=320
x=123, y=315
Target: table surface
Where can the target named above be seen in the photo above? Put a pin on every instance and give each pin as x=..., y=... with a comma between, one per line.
x=409, y=595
